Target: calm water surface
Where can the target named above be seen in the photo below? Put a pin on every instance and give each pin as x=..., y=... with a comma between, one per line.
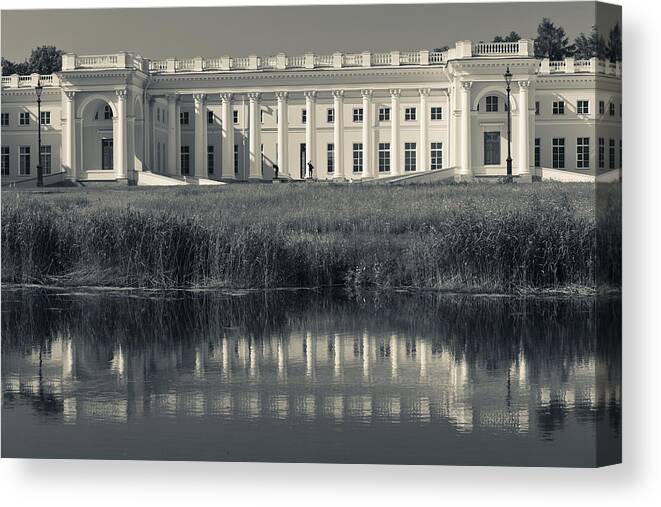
x=307, y=376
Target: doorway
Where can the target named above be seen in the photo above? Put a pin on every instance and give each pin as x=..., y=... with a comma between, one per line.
x=303, y=161
x=106, y=154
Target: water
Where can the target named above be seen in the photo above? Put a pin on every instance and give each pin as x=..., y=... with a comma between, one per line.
x=313, y=377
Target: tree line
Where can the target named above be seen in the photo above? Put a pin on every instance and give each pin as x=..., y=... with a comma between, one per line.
x=42, y=60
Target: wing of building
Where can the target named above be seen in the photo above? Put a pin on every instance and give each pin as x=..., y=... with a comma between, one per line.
x=417, y=115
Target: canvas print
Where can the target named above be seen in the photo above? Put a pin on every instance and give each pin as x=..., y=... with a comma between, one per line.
x=342, y=234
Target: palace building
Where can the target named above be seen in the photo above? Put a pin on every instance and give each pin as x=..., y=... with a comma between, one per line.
x=421, y=115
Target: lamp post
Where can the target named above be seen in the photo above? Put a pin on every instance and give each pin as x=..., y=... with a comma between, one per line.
x=508, y=80
x=40, y=170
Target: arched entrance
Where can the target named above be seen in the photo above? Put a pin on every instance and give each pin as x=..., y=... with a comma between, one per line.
x=97, y=135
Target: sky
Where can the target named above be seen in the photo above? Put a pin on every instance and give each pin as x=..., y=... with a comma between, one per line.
x=240, y=31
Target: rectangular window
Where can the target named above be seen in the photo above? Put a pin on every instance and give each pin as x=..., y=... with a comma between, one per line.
x=537, y=108
x=436, y=113
x=210, y=159
x=357, y=114
x=384, y=114
x=611, y=153
x=45, y=159
x=384, y=157
x=158, y=114
x=45, y=117
x=106, y=154
x=158, y=156
x=185, y=160
x=330, y=115
x=602, y=107
x=4, y=160
x=410, y=114
x=582, y=152
x=330, y=157
x=410, y=156
x=235, y=116
x=583, y=107
x=357, y=157
x=24, y=118
x=611, y=109
x=436, y=156
x=210, y=117
x=538, y=152
x=183, y=117
x=304, y=115
x=602, y=153
x=558, y=153
x=4, y=119
x=620, y=153
x=492, y=103
x=492, y=148
x=107, y=113
x=558, y=107
x=261, y=116
x=24, y=161
x=236, y=159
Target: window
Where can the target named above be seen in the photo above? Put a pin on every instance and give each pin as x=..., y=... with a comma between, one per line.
x=24, y=161
x=558, y=107
x=409, y=114
x=185, y=160
x=45, y=117
x=235, y=116
x=384, y=157
x=357, y=157
x=4, y=119
x=538, y=152
x=4, y=160
x=537, y=108
x=492, y=148
x=602, y=107
x=107, y=112
x=304, y=115
x=24, y=118
x=158, y=114
x=436, y=156
x=492, y=103
x=236, y=159
x=209, y=117
x=158, y=156
x=330, y=115
x=210, y=161
x=330, y=157
x=582, y=152
x=611, y=109
x=436, y=113
x=558, y=153
x=45, y=159
x=106, y=154
x=357, y=114
x=261, y=117
x=611, y=153
x=620, y=153
x=602, y=153
x=384, y=114
x=183, y=117
x=583, y=107
x=410, y=157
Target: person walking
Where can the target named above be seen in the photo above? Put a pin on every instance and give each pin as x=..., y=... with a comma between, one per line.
x=310, y=169
x=276, y=170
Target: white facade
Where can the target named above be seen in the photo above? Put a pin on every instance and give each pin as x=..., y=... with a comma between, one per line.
x=360, y=116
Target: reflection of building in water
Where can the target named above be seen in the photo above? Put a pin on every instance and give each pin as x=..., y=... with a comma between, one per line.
x=338, y=377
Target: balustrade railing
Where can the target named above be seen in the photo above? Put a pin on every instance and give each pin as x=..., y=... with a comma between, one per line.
x=495, y=48
x=240, y=63
x=381, y=58
x=352, y=61
x=409, y=58
x=323, y=60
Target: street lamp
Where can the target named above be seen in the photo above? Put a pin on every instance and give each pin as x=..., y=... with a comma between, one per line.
x=40, y=170
x=508, y=80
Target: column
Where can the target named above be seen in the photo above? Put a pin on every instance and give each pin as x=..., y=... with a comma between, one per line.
x=70, y=134
x=524, y=133
x=172, y=163
x=120, y=135
x=283, y=131
x=227, y=136
x=465, y=170
x=254, y=135
x=149, y=142
x=310, y=130
x=367, y=132
x=394, y=132
x=425, y=148
x=338, y=132
x=201, y=133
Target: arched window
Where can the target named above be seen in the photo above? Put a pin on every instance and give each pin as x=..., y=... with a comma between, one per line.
x=492, y=103
x=107, y=112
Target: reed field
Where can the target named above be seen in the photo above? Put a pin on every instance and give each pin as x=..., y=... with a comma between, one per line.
x=477, y=237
